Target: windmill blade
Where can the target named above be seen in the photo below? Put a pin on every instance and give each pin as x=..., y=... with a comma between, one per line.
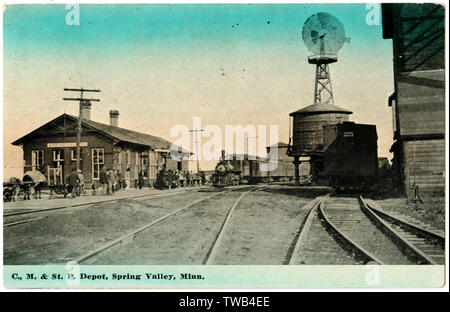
x=314, y=36
x=327, y=28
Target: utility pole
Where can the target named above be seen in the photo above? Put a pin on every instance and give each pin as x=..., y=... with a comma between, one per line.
x=248, y=145
x=248, y=153
x=196, y=146
x=80, y=99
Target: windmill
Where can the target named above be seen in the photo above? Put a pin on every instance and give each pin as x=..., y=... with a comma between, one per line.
x=324, y=35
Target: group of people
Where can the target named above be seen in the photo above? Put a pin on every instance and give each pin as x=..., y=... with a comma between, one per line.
x=75, y=183
x=173, y=179
x=111, y=181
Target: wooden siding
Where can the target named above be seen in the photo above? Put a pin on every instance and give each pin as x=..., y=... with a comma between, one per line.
x=421, y=38
x=418, y=34
x=421, y=108
x=308, y=131
x=425, y=164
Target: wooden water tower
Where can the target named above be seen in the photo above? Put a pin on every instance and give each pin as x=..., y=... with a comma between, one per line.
x=324, y=36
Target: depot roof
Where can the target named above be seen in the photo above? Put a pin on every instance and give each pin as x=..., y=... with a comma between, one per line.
x=120, y=134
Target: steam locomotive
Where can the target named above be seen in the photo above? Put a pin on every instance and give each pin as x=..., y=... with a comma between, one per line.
x=227, y=172
x=235, y=171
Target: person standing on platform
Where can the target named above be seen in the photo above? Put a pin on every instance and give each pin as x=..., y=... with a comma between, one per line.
x=141, y=180
x=81, y=178
x=104, y=180
x=74, y=182
x=188, y=178
x=120, y=179
x=111, y=180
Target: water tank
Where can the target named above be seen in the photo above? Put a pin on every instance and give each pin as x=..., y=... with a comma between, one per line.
x=308, y=125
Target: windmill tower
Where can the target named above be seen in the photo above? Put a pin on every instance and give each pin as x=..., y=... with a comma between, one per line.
x=323, y=35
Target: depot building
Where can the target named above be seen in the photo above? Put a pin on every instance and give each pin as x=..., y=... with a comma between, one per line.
x=53, y=145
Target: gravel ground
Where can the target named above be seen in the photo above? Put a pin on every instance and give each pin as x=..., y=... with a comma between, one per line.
x=263, y=226
x=184, y=238
x=321, y=248
x=429, y=214
x=65, y=234
x=346, y=214
x=260, y=231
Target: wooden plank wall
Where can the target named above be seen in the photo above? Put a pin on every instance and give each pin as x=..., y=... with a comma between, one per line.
x=419, y=47
x=421, y=108
x=425, y=164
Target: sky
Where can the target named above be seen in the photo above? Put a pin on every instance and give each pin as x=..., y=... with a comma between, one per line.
x=162, y=65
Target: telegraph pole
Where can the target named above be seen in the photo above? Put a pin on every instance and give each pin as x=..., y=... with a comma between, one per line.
x=248, y=145
x=248, y=153
x=80, y=99
x=196, y=145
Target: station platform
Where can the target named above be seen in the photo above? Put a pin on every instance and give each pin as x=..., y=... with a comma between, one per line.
x=60, y=202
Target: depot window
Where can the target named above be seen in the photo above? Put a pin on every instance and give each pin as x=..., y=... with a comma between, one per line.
x=98, y=161
x=73, y=154
x=37, y=159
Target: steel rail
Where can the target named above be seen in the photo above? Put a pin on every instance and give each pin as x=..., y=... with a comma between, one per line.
x=405, y=246
x=218, y=239
x=131, y=235
x=357, y=249
x=161, y=194
x=440, y=239
x=300, y=236
x=21, y=222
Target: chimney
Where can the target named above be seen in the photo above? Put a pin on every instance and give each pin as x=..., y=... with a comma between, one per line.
x=114, y=118
x=223, y=154
x=86, y=110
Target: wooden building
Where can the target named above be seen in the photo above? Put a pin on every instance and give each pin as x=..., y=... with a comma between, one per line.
x=418, y=103
x=53, y=145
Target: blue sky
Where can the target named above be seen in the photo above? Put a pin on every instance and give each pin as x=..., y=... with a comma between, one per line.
x=108, y=28
x=161, y=65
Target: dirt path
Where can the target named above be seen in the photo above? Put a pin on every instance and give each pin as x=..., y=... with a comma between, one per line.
x=262, y=228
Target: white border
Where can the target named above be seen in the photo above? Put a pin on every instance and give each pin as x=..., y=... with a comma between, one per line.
x=444, y=289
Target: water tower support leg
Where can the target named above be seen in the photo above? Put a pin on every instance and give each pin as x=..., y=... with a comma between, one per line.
x=297, y=171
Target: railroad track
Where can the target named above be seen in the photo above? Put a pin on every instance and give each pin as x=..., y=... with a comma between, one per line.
x=372, y=236
x=423, y=246
x=125, y=239
x=211, y=255
x=302, y=233
x=44, y=210
x=346, y=221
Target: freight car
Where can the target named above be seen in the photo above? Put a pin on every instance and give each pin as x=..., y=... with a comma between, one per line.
x=350, y=157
